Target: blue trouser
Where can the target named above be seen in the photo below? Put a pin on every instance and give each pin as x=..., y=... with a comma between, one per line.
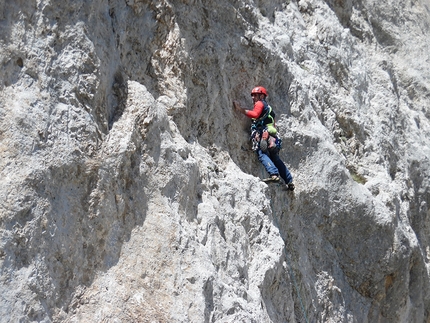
x=274, y=165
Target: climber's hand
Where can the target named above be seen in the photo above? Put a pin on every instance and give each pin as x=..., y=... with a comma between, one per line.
x=238, y=107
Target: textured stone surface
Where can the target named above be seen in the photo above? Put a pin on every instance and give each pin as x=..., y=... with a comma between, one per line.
x=128, y=191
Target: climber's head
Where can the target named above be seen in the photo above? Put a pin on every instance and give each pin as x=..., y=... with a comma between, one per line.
x=258, y=93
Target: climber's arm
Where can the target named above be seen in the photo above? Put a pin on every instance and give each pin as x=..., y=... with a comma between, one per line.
x=254, y=113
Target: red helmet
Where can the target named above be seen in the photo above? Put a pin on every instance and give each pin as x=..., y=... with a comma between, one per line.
x=259, y=90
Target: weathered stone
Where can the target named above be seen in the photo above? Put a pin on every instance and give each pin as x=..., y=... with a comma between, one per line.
x=129, y=192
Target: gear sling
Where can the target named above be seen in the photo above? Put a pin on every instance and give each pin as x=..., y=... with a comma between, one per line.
x=263, y=131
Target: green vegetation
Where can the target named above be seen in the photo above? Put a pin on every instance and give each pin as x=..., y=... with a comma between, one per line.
x=357, y=177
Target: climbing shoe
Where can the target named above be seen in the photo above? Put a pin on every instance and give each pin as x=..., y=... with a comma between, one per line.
x=290, y=187
x=272, y=179
x=263, y=145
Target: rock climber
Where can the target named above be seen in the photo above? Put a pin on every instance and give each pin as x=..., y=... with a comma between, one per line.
x=264, y=135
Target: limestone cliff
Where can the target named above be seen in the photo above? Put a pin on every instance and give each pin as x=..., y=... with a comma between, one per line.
x=128, y=190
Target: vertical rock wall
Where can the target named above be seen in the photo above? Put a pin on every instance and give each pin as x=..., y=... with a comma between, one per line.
x=128, y=189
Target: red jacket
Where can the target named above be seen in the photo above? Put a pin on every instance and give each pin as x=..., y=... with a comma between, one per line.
x=255, y=113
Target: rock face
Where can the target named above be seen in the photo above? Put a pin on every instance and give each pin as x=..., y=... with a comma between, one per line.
x=128, y=189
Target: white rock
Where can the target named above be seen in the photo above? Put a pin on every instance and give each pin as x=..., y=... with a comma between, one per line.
x=128, y=191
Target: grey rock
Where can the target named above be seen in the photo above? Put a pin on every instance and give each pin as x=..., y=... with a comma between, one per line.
x=128, y=192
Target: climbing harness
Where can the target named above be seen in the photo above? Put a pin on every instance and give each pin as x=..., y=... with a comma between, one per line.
x=264, y=134
x=267, y=118
x=259, y=141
